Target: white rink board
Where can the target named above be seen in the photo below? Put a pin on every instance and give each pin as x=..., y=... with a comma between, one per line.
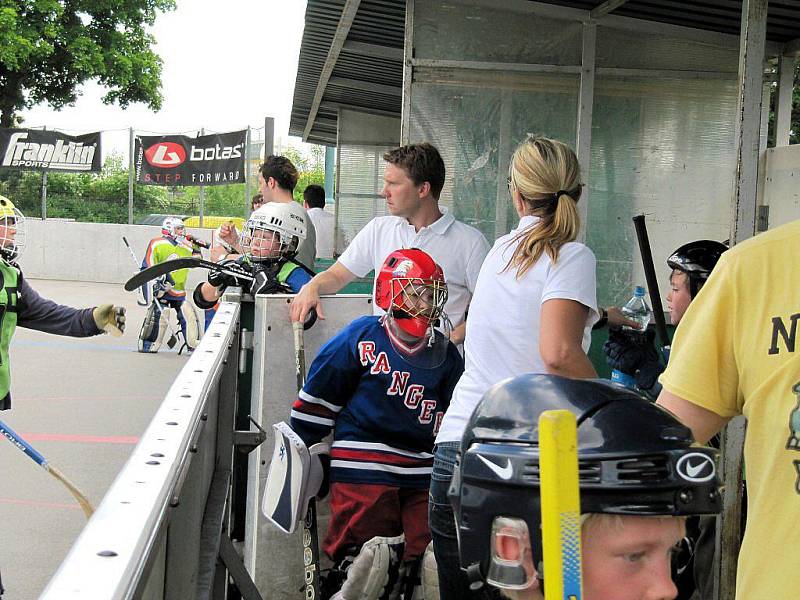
x=273, y=558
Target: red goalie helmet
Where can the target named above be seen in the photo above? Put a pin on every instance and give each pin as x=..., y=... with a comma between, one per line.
x=411, y=288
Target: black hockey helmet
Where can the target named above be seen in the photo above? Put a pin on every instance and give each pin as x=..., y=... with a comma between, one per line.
x=635, y=458
x=697, y=260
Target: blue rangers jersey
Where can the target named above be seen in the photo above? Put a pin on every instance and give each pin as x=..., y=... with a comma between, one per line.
x=384, y=411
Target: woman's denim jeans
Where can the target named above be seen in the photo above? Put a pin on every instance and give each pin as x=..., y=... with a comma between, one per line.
x=453, y=582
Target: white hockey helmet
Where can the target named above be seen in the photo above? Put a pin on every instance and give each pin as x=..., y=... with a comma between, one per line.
x=12, y=230
x=275, y=230
x=173, y=227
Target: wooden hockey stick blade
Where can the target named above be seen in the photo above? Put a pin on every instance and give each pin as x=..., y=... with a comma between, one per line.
x=40, y=460
x=561, y=506
x=84, y=503
x=175, y=264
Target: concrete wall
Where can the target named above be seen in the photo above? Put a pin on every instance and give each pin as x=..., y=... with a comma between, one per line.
x=73, y=251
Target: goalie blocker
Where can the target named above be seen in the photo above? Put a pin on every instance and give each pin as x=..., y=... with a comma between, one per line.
x=295, y=475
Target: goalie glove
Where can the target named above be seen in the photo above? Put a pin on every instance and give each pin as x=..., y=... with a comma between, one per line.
x=162, y=286
x=628, y=351
x=110, y=319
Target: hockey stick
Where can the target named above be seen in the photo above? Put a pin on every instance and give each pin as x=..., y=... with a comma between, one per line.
x=652, y=280
x=310, y=533
x=560, y=503
x=40, y=460
x=173, y=338
x=175, y=264
x=143, y=301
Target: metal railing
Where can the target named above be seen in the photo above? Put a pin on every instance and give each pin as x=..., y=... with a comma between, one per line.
x=161, y=531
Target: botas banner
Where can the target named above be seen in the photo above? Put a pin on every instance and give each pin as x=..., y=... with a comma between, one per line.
x=49, y=150
x=216, y=159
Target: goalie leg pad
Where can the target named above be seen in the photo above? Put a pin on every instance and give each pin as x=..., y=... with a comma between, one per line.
x=429, y=577
x=375, y=572
x=153, y=327
x=295, y=476
x=192, y=328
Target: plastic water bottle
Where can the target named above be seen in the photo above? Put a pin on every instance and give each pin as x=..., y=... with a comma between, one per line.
x=636, y=309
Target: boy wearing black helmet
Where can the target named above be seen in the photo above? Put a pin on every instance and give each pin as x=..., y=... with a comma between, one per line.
x=634, y=353
x=641, y=474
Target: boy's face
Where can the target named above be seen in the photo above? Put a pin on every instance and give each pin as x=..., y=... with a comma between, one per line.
x=265, y=244
x=679, y=297
x=8, y=230
x=631, y=562
x=628, y=558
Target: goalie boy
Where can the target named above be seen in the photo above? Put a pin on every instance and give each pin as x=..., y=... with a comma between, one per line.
x=382, y=385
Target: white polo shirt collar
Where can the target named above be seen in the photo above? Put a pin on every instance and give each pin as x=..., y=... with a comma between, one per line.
x=439, y=226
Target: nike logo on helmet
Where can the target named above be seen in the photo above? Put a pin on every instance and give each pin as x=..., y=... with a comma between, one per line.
x=694, y=470
x=502, y=472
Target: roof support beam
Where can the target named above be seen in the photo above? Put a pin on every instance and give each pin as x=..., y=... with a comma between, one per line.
x=342, y=30
x=783, y=102
x=373, y=50
x=606, y=7
x=752, y=43
x=584, y=127
x=367, y=86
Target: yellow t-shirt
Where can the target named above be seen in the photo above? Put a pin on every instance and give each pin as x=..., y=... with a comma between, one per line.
x=737, y=351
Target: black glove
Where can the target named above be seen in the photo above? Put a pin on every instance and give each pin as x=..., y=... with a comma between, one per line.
x=220, y=280
x=325, y=486
x=628, y=351
x=647, y=377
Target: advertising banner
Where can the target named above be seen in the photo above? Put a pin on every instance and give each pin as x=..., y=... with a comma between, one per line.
x=47, y=150
x=216, y=159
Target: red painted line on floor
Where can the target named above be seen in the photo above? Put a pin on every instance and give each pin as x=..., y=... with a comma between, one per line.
x=39, y=504
x=79, y=439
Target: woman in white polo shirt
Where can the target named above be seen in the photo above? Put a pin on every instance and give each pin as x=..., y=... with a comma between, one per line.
x=532, y=311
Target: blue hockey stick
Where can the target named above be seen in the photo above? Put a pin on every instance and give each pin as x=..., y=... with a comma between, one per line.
x=40, y=460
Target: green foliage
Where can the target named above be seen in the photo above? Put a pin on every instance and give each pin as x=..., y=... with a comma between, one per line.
x=794, y=135
x=49, y=47
x=311, y=168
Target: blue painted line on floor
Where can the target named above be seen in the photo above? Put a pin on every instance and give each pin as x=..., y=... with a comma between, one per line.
x=73, y=345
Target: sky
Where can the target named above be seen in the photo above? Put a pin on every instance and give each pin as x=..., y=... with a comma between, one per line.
x=227, y=65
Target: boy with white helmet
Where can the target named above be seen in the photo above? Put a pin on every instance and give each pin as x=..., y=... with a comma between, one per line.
x=170, y=290
x=269, y=242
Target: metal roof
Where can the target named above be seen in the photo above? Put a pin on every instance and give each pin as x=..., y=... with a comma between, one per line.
x=352, y=50
x=724, y=16
x=366, y=75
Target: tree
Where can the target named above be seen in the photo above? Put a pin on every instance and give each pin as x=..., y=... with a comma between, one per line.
x=311, y=167
x=49, y=47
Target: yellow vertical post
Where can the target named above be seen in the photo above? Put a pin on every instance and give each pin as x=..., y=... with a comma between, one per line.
x=561, y=507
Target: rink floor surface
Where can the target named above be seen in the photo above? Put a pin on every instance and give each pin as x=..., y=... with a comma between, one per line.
x=82, y=403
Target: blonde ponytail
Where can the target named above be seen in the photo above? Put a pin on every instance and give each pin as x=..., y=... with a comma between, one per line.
x=546, y=174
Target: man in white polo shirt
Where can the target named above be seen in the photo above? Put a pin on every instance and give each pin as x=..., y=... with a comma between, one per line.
x=413, y=180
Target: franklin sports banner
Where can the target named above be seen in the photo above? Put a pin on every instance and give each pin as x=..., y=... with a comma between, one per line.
x=180, y=160
x=49, y=150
